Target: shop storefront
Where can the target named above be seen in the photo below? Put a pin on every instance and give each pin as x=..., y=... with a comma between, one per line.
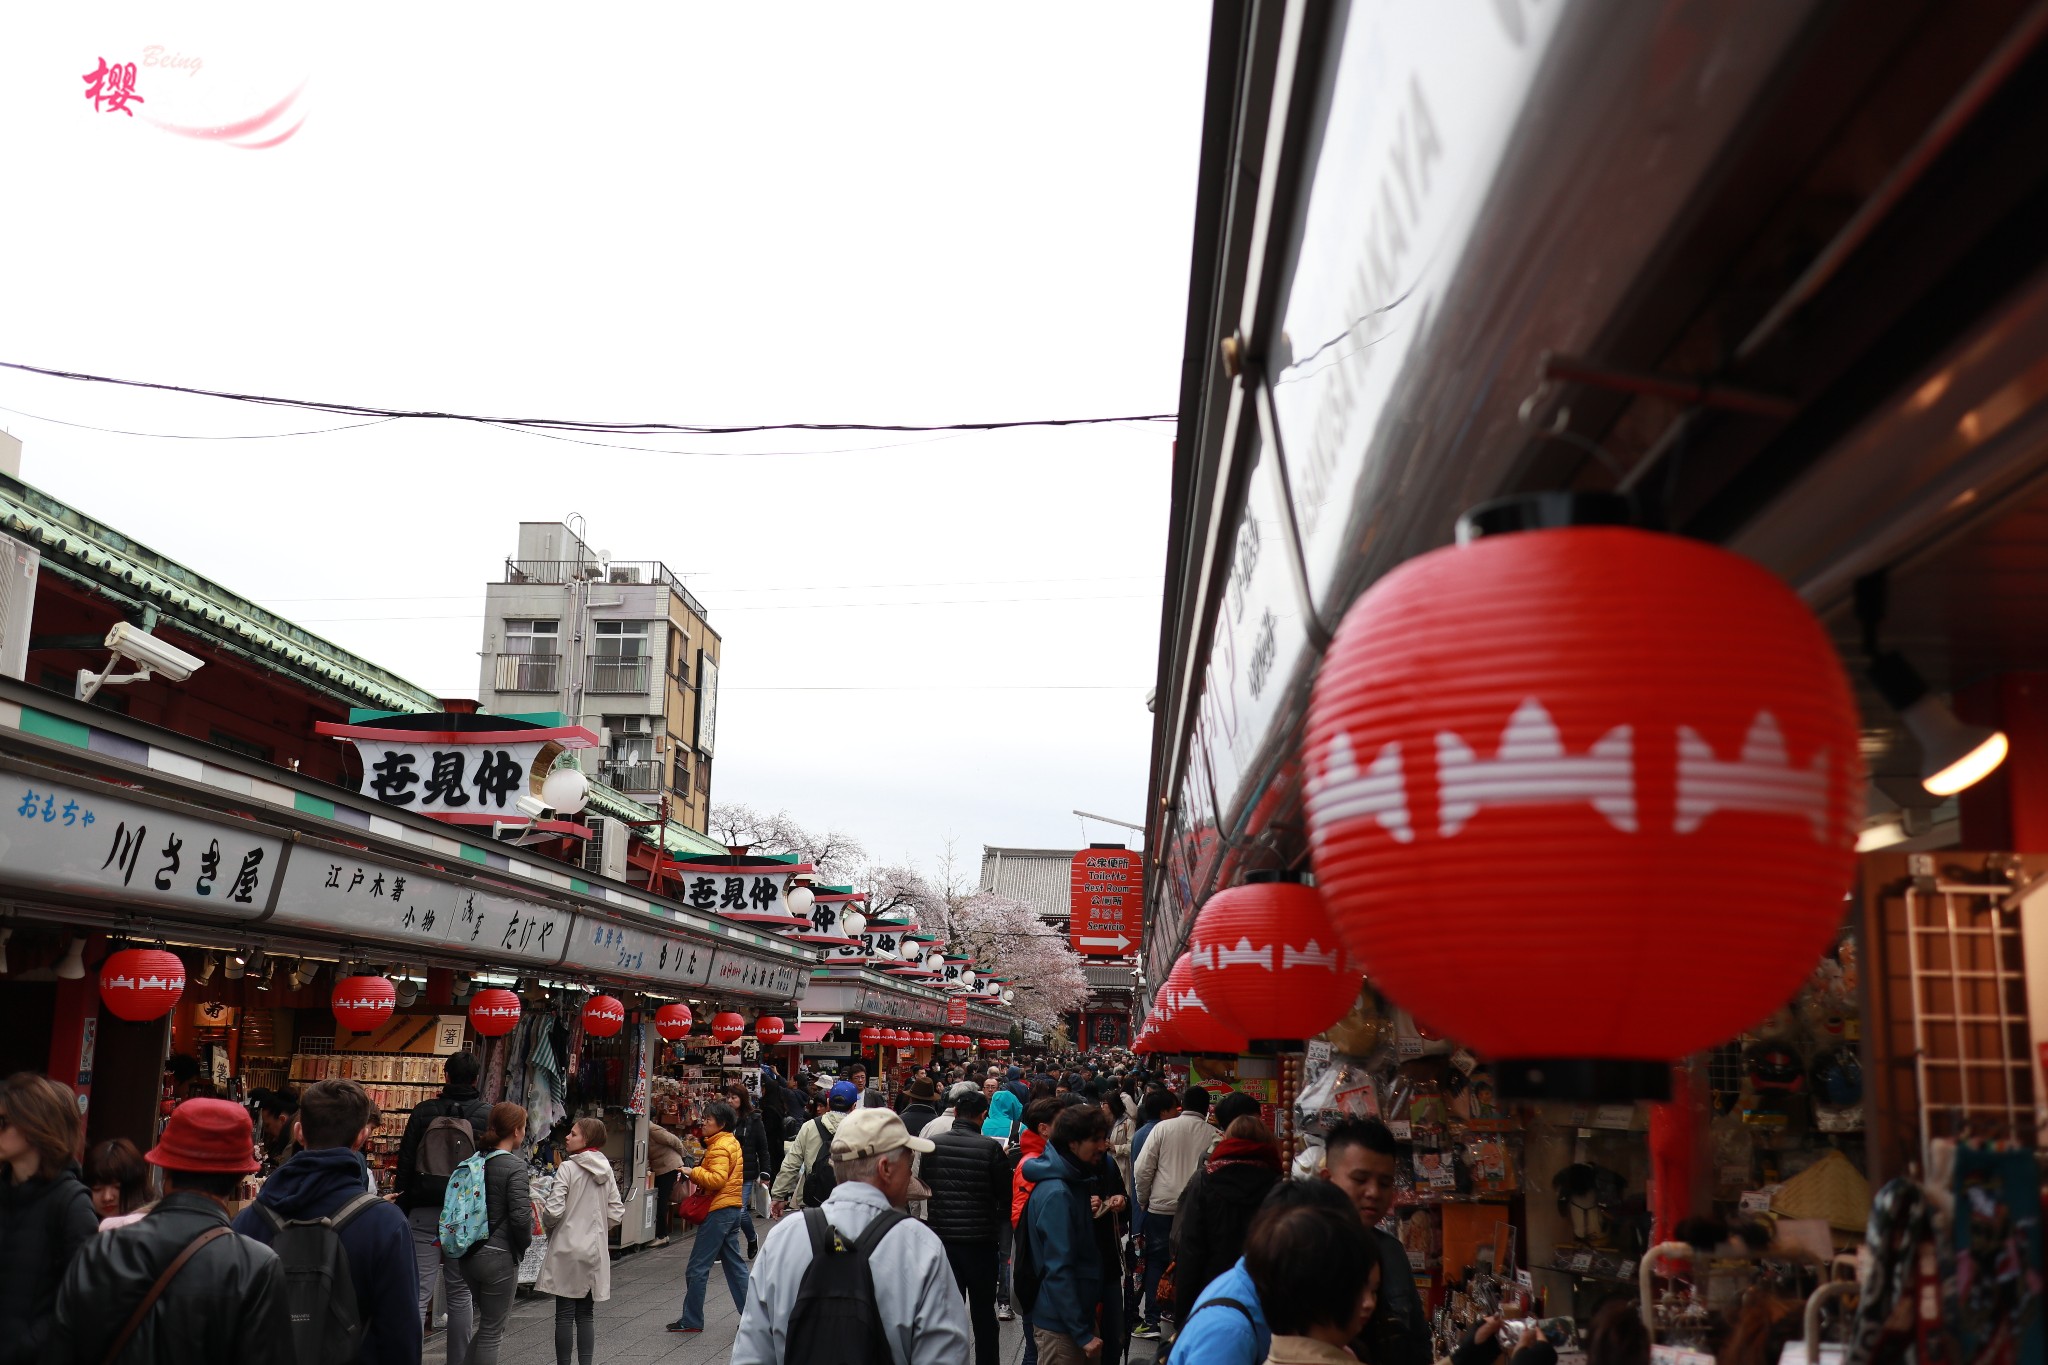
x=1444, y=261
x=319, y=933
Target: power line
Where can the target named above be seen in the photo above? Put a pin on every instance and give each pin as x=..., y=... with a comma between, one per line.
x=572, y=424
x=170, y=436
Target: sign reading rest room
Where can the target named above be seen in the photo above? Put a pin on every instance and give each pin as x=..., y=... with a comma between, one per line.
x=1108, y=901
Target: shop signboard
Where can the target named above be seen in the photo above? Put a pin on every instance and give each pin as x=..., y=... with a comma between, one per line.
x=1423, y=104
x=458, y=776
x=750, y=975
x=612, y=949
x=339, y=889
x=56, y=837
x=1108, y=901
x=956, y=1014
x=724, y=891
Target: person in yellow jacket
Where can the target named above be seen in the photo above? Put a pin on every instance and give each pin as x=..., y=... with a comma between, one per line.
x=722, y=1174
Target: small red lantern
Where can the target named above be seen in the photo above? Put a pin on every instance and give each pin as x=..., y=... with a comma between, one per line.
x=672, y=1021
x=1269, y=964
x=361, y=1003
x=603, y=1016
x=143, y=983
x=871, y=1036
x=494, y=1012
x=769, y=1030
x=726, y=1027
x=1612, y=720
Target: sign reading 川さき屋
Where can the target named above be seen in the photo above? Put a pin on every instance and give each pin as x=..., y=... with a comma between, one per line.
x=1108, y=887
x=463, y=769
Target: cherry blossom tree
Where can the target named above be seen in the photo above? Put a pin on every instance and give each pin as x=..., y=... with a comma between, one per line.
x=1006, y=936
x=835, y=853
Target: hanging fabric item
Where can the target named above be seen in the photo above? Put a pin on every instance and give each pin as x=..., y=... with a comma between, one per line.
x=1994, y=1306
x=1888, y=1302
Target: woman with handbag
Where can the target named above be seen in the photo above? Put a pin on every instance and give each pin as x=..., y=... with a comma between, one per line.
x=717, y=1206
x=578, y=1214
x=491, y=1268
x=665, y=1152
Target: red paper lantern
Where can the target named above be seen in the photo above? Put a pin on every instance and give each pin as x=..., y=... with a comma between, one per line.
x=1269, y=964
x=769, y=1030
x=143, y=983
x=1534, y=763
x=361, y=1003
x=603, y=1016
x=870, y=1036
x=727, y=1026
x=494, y=1012
x=673, y=1021
x=1196, y=1029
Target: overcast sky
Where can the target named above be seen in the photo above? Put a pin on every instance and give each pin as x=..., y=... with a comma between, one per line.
x=689, y=213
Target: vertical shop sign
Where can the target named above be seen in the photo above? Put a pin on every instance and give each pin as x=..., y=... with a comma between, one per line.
x=1108, y=901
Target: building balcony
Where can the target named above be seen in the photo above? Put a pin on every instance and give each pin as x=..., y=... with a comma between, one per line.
x=529, y=672
x=631, y=775
x=620, y=572
x=615, y=674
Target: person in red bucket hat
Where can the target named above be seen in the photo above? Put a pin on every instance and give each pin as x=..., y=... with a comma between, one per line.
x=180, y=1287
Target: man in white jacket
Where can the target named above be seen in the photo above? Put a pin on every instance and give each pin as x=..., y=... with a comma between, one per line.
x=1175, y=1150
x=916, y=1297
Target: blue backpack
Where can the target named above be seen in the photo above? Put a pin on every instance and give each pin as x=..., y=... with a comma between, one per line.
x=465, y=1212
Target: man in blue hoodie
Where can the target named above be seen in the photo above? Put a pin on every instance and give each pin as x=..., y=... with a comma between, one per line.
x=335, y=1118
x=1060, y=1221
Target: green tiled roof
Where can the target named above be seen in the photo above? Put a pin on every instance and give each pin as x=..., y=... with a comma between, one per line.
x=681, y=840
x=77, y=547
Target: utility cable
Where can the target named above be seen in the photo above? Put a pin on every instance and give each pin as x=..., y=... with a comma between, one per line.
x=572, y=424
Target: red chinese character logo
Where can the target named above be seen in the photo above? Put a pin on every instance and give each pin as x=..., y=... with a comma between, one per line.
x=111, y=88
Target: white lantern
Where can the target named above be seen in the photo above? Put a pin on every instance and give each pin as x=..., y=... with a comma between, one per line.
x=798, y=901
x=967, y=976
x=912, y=950
x=564, y=791
x=852, y=923
x=1009, y=996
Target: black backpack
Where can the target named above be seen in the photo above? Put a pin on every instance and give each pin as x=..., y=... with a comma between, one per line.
x=835, y=1321
x=819, y=1181
x=448, y=1139
x=319, y=1291
x=1025, y=1272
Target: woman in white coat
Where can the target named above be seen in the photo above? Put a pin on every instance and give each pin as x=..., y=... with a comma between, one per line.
x=579, y=1213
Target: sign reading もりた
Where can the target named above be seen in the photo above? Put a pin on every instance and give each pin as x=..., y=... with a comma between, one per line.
x=1108, y=889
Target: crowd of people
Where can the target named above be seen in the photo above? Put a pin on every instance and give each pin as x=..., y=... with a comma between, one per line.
x=1088, y=1200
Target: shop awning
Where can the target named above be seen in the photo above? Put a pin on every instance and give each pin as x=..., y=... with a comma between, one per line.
x=810, y=1031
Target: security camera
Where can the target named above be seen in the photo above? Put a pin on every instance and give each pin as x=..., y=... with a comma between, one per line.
x=150, y=656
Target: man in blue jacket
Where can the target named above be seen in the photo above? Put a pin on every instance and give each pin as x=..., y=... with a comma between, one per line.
x=334, y=1121
x=1060, y=1222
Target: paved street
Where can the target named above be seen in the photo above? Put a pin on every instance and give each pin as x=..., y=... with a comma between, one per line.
x=647, y=1295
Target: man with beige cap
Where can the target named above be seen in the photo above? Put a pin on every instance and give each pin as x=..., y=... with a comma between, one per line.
x=916, y=1300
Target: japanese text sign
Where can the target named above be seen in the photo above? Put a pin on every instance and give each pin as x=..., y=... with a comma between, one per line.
x=327, y=889
x=755, y=976
x=68, y=839
x=619, y=950
x=1108, y=886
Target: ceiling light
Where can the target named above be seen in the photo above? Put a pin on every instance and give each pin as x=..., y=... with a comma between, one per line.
x=73, y=965
x=1875, y=837
x=1954, y=755
x=208, y=963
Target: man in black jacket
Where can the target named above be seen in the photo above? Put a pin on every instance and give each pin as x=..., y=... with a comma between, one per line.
x=420, y=1196
x=227, y=1303
x=969, y=1178
x=923, y=1104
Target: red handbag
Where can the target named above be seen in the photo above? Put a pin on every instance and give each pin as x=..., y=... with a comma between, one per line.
x=696, y=1206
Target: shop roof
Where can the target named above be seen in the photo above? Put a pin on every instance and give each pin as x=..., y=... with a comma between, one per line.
x=1040, y=877
x=77, y=547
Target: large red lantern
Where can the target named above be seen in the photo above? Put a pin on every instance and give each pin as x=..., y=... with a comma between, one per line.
x=1269, y=964
x=361, y=1003
x=727, y=1027
x=769, y=1030
x=1194, y=1027
x=672, y=1021
x=603, y=1016
x=871, y=1036
x=494, y=1012
x=1584, y=799
x=142, y=983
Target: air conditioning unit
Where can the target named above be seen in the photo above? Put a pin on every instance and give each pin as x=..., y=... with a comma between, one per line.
x=19, y=564
x=604, y=852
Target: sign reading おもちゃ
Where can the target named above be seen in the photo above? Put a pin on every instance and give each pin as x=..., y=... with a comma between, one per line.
x=1108, y=887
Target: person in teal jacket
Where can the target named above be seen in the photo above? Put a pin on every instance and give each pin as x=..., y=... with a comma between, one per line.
x=1059, y=1220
